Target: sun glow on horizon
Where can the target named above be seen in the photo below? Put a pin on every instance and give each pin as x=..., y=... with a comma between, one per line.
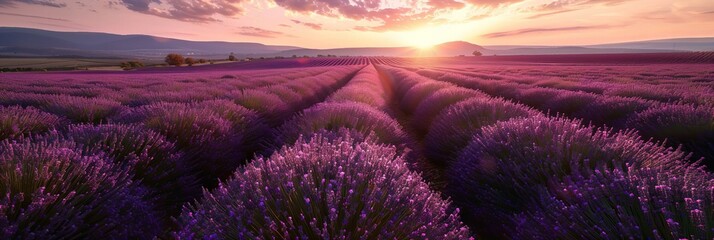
x=429, y=36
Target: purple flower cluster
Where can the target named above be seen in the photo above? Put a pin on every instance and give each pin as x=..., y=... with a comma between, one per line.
x=434, y=103
x=324, y=188
x=454, y=127
x=76, y=109
x=16, y=122
x=213, y=133
x=357, y=117
x=623, y=103
x=636, y=204
x=365, y=87
x=150, y=158
x=279, y=101
x=690, y=126
x=499, y=173
x=52, y=189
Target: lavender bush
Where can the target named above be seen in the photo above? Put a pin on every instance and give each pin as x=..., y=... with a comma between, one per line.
x=212, y=143
x=416, y=94
x=81, y=110
x=454, y=127
x=613, y=111
x=568, y=102
x=77, y=109
x=430, y=107
x=690, y=126
x=499, y=171
x=268, y=105
x=16, y=121
x=637, y=204
x=150, y=157
x=51, y=190
x=332, y=116
x=324, y=188
x=366, y=87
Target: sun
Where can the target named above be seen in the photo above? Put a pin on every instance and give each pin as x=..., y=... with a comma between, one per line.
x=424, y=45
x=427, y=37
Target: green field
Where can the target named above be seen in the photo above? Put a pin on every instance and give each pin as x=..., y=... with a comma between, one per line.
x=28, y=64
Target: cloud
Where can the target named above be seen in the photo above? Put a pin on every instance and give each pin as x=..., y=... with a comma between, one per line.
x=492, y=3
x=316, y=26
x=186, y=10
x=33, y=16
x=559, y=5
x=540, y=30
x=386, y=15
x=260, y=32
x=551, y=13
x=48, y=3
x=446, y=4
x=59, y=25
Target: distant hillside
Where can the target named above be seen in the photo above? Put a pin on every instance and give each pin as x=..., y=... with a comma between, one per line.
x=26, y=42
x=678, y=44
x=93, y=44
x=442, y=50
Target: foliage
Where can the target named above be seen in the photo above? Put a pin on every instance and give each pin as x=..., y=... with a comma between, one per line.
x=174, y=59
x=324, y=188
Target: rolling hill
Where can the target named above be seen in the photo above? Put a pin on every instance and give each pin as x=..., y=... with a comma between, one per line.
x=26, y=42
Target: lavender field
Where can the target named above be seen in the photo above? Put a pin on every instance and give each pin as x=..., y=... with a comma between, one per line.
x=507, y=147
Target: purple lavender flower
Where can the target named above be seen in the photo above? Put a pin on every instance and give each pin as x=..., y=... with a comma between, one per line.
x=690, y=126
x=454, y=127
x=499, y=171
x=212, y=134
x=637, y=204
x=16, y=122
x=332, y=116
x=150, y=157
x=51, y=189
x=324, y=188
x=419, y=93
x=437, y=101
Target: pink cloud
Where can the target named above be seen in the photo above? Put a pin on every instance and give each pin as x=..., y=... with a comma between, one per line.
x=391, y=17
x=260, y=32
x=49, y=3
x=186, y=10
x=315, y=26
x=540, y=30
x=492, y=3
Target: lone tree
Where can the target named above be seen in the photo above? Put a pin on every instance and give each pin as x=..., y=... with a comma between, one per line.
x=131, y=65
x=174, y=59
x=232, y=57
x=477, y=53
x=190, y=61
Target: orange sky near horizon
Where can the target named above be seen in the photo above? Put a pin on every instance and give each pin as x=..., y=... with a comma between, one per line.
x=373, y=23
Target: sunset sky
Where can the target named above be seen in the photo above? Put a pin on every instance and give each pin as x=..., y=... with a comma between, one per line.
x=366, y=23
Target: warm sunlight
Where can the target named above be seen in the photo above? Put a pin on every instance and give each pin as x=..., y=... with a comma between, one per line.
x=424, y=45
x=427, y=37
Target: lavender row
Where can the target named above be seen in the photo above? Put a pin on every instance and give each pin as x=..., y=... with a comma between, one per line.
x=342, y=178
x=328, y=186
x=277, y=102
x=154, y=158
x=683, y=85
x=148, y=88
x=359, y=107
x=680, y=124
x=506, y=178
